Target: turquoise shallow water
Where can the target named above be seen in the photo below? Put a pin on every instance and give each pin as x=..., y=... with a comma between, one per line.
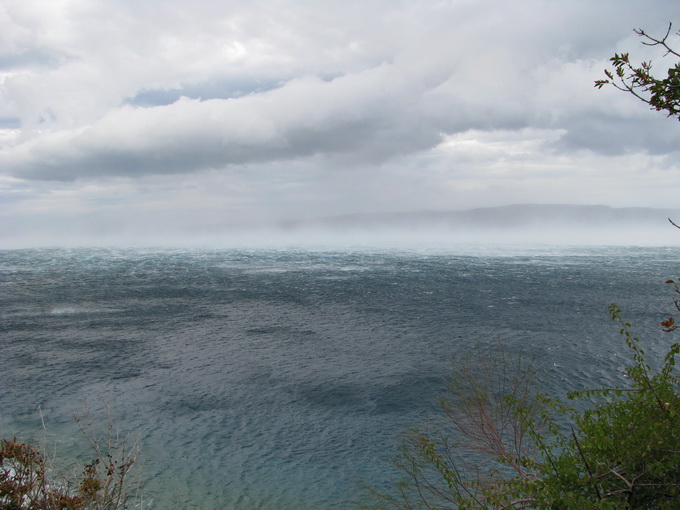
x=281, y=379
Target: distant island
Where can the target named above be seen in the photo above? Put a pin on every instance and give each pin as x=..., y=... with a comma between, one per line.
x=509, y=216
x=510, y=224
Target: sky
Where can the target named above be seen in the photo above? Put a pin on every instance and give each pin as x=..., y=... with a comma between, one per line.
x=128, y=121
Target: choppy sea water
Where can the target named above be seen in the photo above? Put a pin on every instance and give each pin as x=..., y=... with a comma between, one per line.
x=281, y=379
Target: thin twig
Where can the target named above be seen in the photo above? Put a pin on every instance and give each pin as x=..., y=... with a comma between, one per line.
x=583, y=457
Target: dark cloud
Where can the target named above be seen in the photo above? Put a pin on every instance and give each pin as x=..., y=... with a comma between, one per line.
x=613, y=137
x=361, y=117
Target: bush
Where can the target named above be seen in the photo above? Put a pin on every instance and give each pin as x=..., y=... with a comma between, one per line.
x=505, y=446
x=106, y=483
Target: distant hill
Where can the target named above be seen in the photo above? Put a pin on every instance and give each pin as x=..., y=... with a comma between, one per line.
x=512, y=224
x=527, y=224
x=504, y=217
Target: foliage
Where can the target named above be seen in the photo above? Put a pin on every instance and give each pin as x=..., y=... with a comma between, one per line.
x=27, y=482
x=625, y=449
x=482, y=448
x=24, y=481
x=662, y=94
x=504, y=447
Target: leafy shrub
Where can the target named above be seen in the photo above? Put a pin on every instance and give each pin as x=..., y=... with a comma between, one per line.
x=27, y=482
x=503, y=446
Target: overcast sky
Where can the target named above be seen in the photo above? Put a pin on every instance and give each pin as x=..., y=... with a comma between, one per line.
x=158, y=118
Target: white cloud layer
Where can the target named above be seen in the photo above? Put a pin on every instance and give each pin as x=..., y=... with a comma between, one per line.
x=118, y=114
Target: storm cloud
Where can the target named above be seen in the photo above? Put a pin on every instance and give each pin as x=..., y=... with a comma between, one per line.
x=363, y=116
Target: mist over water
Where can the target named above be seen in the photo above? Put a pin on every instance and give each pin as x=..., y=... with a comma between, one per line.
x=516, y=226
x=367, y=238
x=281, y=378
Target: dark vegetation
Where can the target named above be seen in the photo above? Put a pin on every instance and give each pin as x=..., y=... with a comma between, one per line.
x=660, y=93
x=29, y=479
x=504, y=446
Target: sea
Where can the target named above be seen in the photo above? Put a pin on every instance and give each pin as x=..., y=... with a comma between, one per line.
x=284, y=378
